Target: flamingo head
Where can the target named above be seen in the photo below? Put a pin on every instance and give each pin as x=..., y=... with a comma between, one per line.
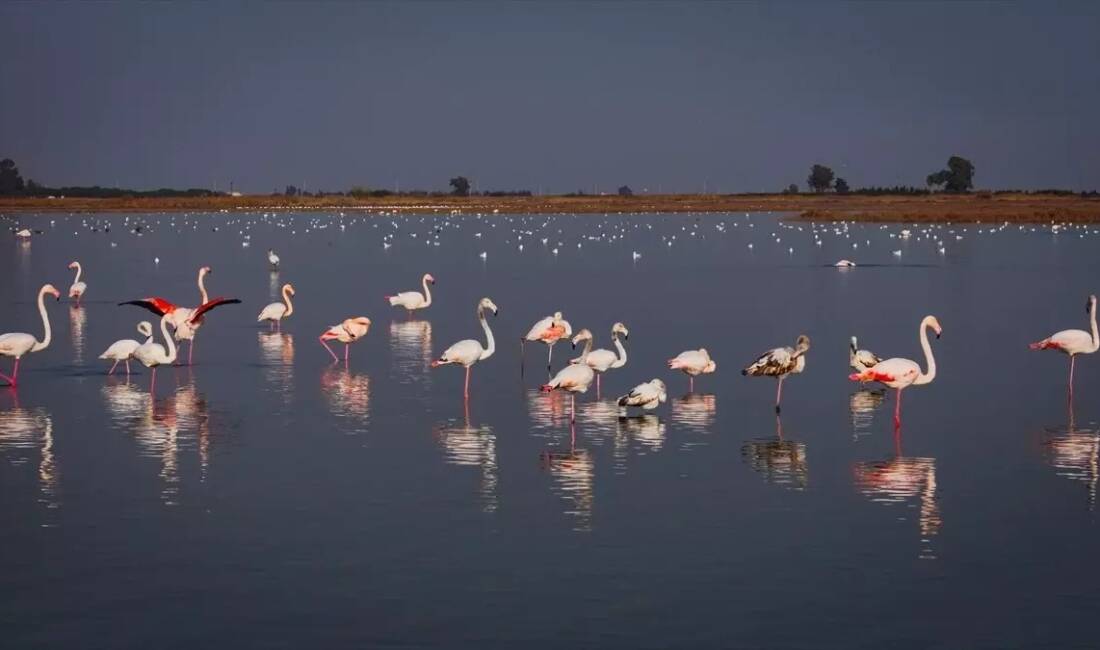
x=145, y=328
x=1090, y=304
x=49, y=288
x=934, y=323
x=711, y=366
x=661, y=390
x=74, y=264
x=206, y=270
x=802, y=345
x=619, y=328
x=487, y=304
x=428, y=278
x=583, y=335
x=289, y=288
x=362, y=320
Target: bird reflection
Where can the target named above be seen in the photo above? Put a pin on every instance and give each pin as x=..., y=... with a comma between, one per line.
x=23, y=430
x=471, y=446
x=77, y=318
x=574, y=473
x=647, y=430
x=277, y=353
x=411, y=343
x=548, y=411
x=348, y=394
x=861, y=406
x=780, y=461
x=274, y=289
x=1073, y=453
x=900, y=480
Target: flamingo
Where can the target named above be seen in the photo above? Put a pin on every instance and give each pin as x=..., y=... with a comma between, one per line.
x=185, y=320
x=347, y=332
x=693, y=363
x=602, y=360
x=900, y=373
x=78, y=288
x=1074, y=342
x=648, y=395
x=468, y=351
x=123, y=349
x=860, y=360
x=153, y=354
x=413, y=300
x=16, y=344
x=575, y=378
x=273, y=259
x=780, y=362
x=548, y=330
x=277, y=311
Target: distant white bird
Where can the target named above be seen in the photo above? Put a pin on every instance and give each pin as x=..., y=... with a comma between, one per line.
x=78, y=288
x=844, y=264
x=469, y=351
x=1073, y=342
x=16, y=344
x=123, y=349
x=23, y=234
x=273, y=259
x=780, y=362
x=860, y=360
x=414, y=300
x=693, y=363
x=647, y=396
x=277, y=311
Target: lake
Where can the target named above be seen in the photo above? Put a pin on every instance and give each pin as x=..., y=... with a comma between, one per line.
x=268, y=497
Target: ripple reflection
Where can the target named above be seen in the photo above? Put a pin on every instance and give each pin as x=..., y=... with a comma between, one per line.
x=78, y=317
x=348, y=395
x=23, y=431
x=862, y=405
x=411, y=343
x=1073, y=453
x=277, y=354
x=465, y=445
x=900, y=480
x=574, y=473
x=779, y=461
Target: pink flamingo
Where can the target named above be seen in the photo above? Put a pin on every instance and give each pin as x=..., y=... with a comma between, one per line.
x=693, y=363
x=123, y=349
x=468, y=351
x=78, y=288
x=1073, y=342
x=16, y=344
x=901, y=373
x=549, y=330
x=575, y=378
x=347, y=332
x=780, y=362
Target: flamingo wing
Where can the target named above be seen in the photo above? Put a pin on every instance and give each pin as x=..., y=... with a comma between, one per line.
x=539, y=328
x=774, y=362
x=211, y=304
x=158, y=306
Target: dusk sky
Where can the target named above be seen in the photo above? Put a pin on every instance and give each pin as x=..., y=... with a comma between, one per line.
x=550, y=96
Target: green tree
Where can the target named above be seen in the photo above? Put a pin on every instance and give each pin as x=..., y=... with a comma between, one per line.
x=461, y=186
x=10, y=180
x=626, y=191
x=957, y=178
x=841, y=186
x=820, y=178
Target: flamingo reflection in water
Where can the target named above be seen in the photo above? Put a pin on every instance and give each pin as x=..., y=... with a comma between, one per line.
x=695, y=411
x=780, y=461
x=899, y=480
x=277, y=354
x=1074, y=454
x=348, y=394
x=22, y=430
x=574, y=474
x=466, y=445
x=78, y=318
x=411, y=347
x=862, y=405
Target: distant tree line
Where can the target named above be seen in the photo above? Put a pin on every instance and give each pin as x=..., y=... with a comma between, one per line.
x=957, y=178
x=12, y=184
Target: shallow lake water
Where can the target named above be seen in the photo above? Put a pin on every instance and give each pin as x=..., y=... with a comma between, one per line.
x=267, y=497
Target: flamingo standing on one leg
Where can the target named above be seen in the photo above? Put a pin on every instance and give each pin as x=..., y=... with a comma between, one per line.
x=647, y=396
x=185, y=320
x=414, y=300
x=469, y=351
x=780, y=362
x=16, y=344
x=860, y=360
x=602, y=360
x=347, y=332
x=693, y=363
x=1074, y=342
x=78, y=288
x=548, y=330
x=277, y=311
x=123, y=349
x=574, y=378
x=901, y=373
x=153, y=354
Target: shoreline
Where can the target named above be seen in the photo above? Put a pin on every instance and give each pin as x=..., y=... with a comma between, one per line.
x=934, y=208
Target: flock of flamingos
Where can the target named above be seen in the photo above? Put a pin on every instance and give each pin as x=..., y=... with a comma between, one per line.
x=576, y=377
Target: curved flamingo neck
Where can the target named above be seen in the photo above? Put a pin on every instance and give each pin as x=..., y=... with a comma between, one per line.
x=171, y=358
x=929, y=360
x=428, y=293
x=587, y=349
x=79, y=271
x=621, y=360
x=202, y=288
x=286, y=300
x=48, y=335
x=491, y=345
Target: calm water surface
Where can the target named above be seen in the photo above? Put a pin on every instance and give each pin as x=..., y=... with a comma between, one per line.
x=269, y=495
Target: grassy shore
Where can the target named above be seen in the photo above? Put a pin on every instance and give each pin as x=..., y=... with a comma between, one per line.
x=1034, y=208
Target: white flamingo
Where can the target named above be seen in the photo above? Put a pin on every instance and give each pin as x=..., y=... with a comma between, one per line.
x=647, y=396
x=277, y=311
x=901, y=373
x=154, y=354
x=123, y=349
x=347, y=332
x=1074, y=342
x=693, y=363
x=414, y=300
x=78, y=288
x=602, y=359
x=273, y=259
x=16, y=344
x=469, y=351
x=549, y=330
x=860, y=360
x=574, y=378
x=780, y=362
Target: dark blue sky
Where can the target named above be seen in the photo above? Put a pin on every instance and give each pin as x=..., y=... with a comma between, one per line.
x=560, y=96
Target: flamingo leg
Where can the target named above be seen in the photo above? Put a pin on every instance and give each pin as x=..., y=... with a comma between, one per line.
x=322, y=340
x=691, y=384
x=153, y=383
x=779, y=392
x=466, y=391
x=1072, y=361
x=190, y=350
x=549, y=356
x=897, y=410
x=127, y=367
x=522, y=348
x=572, y=409
x=347, y=346
x=113, y=365
x=14, y=375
